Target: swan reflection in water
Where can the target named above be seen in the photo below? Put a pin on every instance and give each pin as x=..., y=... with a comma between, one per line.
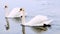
x=37, y=30
x=40, y=29
x=7, y=24
x=23, y=29
x=16, y=19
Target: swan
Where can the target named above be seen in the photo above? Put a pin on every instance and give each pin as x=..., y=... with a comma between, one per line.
x=39, y=20
x=14, y=13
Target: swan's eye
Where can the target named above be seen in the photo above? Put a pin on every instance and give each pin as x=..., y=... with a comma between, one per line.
x=20, y=9
x=6, y=7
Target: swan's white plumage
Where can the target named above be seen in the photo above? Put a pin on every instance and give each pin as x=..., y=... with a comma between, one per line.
x=15, y=13
x=38, y=20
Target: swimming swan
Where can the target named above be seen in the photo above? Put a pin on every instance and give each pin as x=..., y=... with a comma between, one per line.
x=14, y=13
x=38, y=20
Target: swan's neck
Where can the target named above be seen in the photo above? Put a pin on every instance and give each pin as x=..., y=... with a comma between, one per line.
x=6, y=10
x=23, y=17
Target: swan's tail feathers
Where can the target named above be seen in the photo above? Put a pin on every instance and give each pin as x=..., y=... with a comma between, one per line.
x=48, y=22
x=51, y=20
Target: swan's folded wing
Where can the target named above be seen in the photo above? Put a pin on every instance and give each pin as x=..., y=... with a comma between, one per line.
x=47, y=22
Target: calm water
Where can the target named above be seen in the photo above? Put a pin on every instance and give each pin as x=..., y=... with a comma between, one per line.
x=50, y=8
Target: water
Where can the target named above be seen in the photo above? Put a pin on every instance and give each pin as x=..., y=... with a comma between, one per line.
x=49, y=8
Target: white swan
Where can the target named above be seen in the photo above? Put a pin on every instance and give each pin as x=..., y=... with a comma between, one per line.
x=14, y=13
x=38, y=20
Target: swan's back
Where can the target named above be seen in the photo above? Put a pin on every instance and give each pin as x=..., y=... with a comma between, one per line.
x=39, y=18
x=14, y=13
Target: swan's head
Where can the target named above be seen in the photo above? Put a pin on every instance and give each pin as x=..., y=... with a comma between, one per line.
x=21, y=9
